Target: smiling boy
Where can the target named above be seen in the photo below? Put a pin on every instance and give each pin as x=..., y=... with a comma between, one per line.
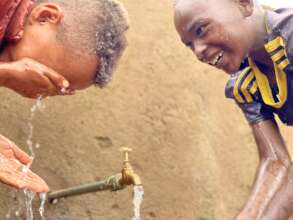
x=53, y=45
x=255, y=47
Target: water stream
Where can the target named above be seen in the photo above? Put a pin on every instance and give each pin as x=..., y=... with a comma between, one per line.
x=43, y=197
x=29, y=141
x=137, y=200
x=29, y=196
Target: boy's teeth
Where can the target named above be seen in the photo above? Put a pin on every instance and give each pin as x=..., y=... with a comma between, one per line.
x=217, y=59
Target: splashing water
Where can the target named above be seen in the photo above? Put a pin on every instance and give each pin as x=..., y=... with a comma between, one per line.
x=14, y=210
x=17, y=213
x=42, y=207
x=29, y=197
x=137, y=200
x=8, y=214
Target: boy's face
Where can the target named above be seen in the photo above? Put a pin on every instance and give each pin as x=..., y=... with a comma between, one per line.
x=40, y=42
x=214, y=30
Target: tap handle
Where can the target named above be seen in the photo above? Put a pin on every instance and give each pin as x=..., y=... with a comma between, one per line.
x=126, y=151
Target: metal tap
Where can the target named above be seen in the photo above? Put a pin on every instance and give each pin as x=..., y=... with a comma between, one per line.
x=128, y=175
x=113, y=183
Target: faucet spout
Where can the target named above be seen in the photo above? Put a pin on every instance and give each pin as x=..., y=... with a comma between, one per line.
x=136, y=179
x=129, y=177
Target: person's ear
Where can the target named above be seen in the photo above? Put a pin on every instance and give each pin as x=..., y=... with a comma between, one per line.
x=245, y=7
x=46, y=13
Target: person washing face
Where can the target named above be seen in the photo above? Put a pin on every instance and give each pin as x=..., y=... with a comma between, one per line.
x=255, y=47
x=53, y=48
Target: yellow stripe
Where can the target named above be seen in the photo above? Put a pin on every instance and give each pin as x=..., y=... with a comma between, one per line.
x=264, y=85
x=284, y=64
x=244, y=87
x=274, y=44
x=278, y=55
x=235, y=89
x=253, y=88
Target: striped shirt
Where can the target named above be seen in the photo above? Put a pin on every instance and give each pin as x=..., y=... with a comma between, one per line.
x=250, y=88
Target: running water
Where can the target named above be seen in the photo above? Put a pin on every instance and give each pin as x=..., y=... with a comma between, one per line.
x=137, y=200
x=43, y=197
x=14, y=208
x=15, y=211
x=29, y=196
x=29, y=141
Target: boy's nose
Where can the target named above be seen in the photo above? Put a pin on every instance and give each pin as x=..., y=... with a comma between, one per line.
x=199, y=49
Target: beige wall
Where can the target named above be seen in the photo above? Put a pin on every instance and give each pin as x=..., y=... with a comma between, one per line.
x=192, y=147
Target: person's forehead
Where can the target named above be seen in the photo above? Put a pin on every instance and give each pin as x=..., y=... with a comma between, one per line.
x=200, y=5
x=187, y=10
x=181, y=5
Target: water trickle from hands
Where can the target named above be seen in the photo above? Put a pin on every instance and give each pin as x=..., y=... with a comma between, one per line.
x=29, y=141
x=137, y=200
x=29, y=196
x=43, y=197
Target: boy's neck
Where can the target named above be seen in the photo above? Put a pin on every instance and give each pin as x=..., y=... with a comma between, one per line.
x=257, y=24
x=262, y=57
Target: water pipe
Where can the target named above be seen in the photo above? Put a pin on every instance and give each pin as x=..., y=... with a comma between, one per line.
x=113, y=183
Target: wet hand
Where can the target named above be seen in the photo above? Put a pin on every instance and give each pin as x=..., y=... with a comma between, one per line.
x=32, y=79
x=13, y=170
x=245, y=216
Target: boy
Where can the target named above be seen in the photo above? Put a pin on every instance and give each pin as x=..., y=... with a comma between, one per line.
x=255, y=47
x=82, y=40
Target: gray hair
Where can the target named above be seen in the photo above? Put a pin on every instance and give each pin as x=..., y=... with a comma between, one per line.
x=95, y=26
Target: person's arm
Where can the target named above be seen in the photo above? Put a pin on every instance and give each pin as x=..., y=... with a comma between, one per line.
x=274, y=160
x=32, y=79
x=13, y=171
x=274, y=163
x=281, y=206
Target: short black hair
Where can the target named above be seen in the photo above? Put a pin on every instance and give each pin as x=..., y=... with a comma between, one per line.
x=96, y=26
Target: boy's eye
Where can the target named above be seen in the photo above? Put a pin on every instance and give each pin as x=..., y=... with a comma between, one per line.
x=200, y=31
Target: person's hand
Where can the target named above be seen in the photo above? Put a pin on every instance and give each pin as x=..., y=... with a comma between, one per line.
x=244, y=216
x=13, y=170
x=32, y=79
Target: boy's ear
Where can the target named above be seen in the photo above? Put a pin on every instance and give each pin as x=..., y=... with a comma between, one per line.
x=46, y=13
x=246, y=7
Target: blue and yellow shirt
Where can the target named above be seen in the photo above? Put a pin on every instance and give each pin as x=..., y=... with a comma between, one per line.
x=250, y=87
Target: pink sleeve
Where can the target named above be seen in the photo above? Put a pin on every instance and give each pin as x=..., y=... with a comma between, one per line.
x=7, y=9
x=16, y=25
x=12, y=18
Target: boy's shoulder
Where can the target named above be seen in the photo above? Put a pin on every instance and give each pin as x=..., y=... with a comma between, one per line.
x=281, y=23
x=280, y=19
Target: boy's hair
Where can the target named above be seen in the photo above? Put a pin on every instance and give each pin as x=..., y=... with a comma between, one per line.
x=95, y=26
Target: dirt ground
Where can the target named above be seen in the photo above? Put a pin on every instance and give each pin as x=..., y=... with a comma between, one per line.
x=191, y=146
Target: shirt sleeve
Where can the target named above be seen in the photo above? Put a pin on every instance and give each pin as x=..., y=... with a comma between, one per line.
x=7, y=8
x=284, y=25
x=12, y=17
x=242, y=88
